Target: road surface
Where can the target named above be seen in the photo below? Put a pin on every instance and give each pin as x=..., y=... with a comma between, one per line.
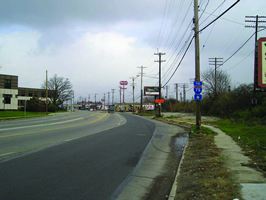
x=85, y=158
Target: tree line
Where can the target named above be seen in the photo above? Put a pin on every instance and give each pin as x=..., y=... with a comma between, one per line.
x=224, y=101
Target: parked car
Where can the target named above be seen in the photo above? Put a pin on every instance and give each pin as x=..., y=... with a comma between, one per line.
x=111, y=110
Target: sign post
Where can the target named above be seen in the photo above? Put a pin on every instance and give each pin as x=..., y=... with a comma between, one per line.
x=123, y=88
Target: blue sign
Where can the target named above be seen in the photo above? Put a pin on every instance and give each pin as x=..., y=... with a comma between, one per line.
x=197, y=97
x=198, y=90
x=197, y=83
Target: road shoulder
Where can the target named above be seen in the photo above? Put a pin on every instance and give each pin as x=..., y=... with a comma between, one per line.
x=155, y=177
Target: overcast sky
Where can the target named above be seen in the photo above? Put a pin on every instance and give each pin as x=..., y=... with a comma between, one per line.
x=98, y=43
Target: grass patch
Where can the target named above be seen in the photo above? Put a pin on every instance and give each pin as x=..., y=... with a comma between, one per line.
x=145, y=114
x=19, y=114
x=252, y=138
x=203, y=175
x=172, y=117
x=203, y=130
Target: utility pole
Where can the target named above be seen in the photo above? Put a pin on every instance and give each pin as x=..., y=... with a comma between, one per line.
x=108, y=99
x=160, y=83
x=257, y=21
x=141, y=95
x=180, y=96
x=46, y=93
x=113, y=91
x=120, y=98
x=95, y=98
x=215, y=61
x=197, y=60
x=133, y=88
x=104, y=101
x=176, y=91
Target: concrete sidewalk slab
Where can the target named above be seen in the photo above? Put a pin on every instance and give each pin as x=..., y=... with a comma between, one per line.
x=253, y=182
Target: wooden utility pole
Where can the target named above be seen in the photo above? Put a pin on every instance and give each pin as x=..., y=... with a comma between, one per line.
x=160, y=83
x=197, y=60
x=141, y=95
x=133, y=88
x=108, y=99
x=120, y=98
x=215, y=61
x=46, y=93
x=176, y=91
x=113, y=91
x=104, y=101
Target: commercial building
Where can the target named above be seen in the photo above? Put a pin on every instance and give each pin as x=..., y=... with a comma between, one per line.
x=13, y=97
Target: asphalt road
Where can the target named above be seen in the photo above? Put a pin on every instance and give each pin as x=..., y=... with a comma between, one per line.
x=90, y=167
x=18, y=137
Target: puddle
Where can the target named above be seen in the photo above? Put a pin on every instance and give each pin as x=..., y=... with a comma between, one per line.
x=179, y=143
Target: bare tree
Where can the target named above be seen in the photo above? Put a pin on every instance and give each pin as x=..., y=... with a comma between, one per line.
x=214, y=87
x=60, y=89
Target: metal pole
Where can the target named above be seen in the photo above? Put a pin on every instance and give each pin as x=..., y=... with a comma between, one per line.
x=25, y=108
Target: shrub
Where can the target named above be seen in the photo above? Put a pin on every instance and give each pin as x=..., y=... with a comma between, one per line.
x=52, y=108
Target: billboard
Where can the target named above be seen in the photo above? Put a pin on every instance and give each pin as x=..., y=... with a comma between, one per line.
x=262, y=62
x=151, y=90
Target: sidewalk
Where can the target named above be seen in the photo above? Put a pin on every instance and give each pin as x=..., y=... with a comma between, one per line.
x=253, y=183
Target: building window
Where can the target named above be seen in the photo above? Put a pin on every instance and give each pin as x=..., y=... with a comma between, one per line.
x=36, y=93
x=30, y=93
x=21, y=102
x=8, y=83
x=43, y=94
x=22, y=93
x=7, y=98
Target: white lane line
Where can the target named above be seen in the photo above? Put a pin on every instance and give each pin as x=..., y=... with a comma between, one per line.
x=33, y=122
x=5, y=129
x=4, y=154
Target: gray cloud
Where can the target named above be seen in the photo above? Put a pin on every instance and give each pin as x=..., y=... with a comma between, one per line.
x=41, y=14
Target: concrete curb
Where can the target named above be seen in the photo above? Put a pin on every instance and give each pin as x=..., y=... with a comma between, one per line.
x=172, y=194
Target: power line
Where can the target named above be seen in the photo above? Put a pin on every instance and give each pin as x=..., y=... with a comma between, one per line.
x=180, y=61
x=219, y=16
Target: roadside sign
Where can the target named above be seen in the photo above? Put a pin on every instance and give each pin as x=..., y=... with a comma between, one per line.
x=151, y=91
x=197, y=83
x=262, y=62
x=123, y=82
x=197, y=89
x=159, y=100
x=197, y=97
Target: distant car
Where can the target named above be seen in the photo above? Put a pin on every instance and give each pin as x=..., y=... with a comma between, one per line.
x=111, y=110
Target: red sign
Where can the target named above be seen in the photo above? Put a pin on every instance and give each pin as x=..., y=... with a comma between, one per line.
x=123, y=82
x=262, y=62
x=159, y=100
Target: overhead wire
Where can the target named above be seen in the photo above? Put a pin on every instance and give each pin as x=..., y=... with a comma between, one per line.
x=180, y=61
